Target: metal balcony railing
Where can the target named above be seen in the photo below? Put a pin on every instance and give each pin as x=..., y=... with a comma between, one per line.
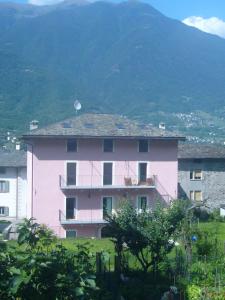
x=98, y=182
x=68, y=218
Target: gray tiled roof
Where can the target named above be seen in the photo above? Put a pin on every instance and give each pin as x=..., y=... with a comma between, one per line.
x=13, y=158
x=101, y=125
x=201, y=151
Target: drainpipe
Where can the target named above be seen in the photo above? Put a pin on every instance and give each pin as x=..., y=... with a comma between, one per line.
x=17, y=189
x=32, y=175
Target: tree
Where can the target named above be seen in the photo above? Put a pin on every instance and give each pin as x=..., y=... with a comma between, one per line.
x=149, y=234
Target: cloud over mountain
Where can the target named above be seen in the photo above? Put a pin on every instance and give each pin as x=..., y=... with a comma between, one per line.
x=44, y=2
x=211, y=25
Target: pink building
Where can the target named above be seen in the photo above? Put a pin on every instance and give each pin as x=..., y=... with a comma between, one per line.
x=82, y=168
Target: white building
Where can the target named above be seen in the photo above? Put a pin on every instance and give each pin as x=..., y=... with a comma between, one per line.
x=13, y=185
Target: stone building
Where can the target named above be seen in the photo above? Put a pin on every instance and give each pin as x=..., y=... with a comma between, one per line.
x=201, y=175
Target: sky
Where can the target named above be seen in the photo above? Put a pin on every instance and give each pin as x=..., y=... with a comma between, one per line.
x=206, y=15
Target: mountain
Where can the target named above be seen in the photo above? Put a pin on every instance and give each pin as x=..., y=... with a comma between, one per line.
x=125, y=58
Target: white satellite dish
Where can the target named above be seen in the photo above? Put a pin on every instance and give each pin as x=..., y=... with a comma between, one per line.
x=77, y=105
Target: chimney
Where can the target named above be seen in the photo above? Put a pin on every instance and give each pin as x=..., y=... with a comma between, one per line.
x=162, y=126
x=18, y=146
x=34, y=124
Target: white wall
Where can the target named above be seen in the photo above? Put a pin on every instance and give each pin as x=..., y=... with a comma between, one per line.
x=16, y=198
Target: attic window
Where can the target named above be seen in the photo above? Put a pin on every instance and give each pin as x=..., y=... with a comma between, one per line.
x=89, y=125
x=71, y=145
x=120, y=126
x=143, y=146
x=2, y=170
x=66, y=125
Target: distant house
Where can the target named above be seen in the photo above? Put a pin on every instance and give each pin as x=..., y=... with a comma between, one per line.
x=13, y=185
x=202, y=173
x=80, y=169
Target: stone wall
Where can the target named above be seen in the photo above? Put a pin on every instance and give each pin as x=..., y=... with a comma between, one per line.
x=212, y=184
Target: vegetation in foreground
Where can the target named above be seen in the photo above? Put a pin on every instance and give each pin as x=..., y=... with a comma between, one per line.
x=154, y=255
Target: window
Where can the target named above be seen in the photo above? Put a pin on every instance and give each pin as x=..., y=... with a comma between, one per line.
x=4, y=211
x=107, y=206
x=2, y=170
x=143, y=146
x=70, y=208
x=142, y=203
x=196, y=195
x=71, y=234
x=71, y=173
x=108, y=145
x=196, y=175
x=142, y=172
x=107, y=174
x=71, y=145
x=4, y=186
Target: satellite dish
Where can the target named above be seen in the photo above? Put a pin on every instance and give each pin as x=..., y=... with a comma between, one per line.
x=77, y=105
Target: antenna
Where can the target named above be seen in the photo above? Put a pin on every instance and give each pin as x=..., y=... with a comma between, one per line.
x=77, y=105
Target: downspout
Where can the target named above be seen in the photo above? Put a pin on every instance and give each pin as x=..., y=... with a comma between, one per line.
x=32, y=176
x=17, y=200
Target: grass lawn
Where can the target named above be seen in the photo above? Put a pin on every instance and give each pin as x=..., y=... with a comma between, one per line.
x=216, y=228
x=96, y=245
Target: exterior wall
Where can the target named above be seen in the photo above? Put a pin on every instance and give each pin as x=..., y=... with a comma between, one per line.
x=16, y=198
x=212, y=183
x=49, y=157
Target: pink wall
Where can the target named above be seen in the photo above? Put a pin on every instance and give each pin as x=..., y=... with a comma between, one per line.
x=49, y=161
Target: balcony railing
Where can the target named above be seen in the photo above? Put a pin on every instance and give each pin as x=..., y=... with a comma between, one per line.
x=90, y=218
x=96, y=182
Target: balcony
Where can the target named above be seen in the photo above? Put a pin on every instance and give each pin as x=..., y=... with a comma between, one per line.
x=87, y=182
x=67, y=218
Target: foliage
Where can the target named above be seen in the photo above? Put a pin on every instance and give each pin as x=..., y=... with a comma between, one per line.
x=149, y=235
x=43, y=269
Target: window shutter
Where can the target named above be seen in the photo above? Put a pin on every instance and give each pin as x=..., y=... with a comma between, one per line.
x=6, y=211
x=7, y=187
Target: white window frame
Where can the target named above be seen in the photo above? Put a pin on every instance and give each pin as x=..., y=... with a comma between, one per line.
x=113, y=172
x=147, y=202
x=76, y=206
x=65, y=170
x=5, y=191
x=193, y=172
x=67, y=145
x=113, y=140
x=195, y=191
x=107, y=196
x=75, y=230
x=138, y=148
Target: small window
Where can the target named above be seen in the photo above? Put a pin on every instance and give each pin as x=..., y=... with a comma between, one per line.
x=108, y=145
x=143, y=146
x=4, y=186
x=71, y=145
x=4, y=211
x=196, y=195
x=142, y=203
x=71, y=173
x=107, y=173
x=107, y=206
x=2, y=170
x=71, y=234
x=196, y=175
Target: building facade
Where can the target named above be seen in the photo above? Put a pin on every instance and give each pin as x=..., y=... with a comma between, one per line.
x=13, y=185
x=81, y=169
x=202, y=173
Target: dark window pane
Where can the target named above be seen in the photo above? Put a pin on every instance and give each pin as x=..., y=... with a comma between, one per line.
x=142, y=203
x=70, y=208
x=108, y=145
x=2, y=170
x=72, y=145
x=107, y=174
x=107, y=206
x=143, y=145
x=71, y=233
x=71, y=173
x=142, y=172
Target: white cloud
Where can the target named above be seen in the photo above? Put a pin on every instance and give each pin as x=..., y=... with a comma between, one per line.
x=212, y=25
x=44, y=2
